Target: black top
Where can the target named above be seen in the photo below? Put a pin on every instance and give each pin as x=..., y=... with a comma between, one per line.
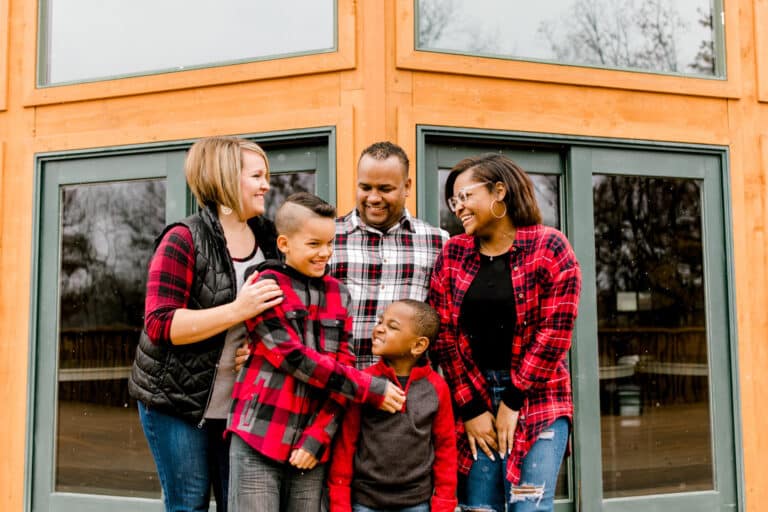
x=488, y=313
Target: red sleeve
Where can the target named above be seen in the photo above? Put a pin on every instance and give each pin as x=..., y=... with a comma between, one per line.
x=169, y=282
x=445, y=468
x=342, y=462
x=558, y=306
x=274, y=338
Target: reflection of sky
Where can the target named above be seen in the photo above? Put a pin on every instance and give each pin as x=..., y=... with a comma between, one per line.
x=97, y=38
x=512, y=26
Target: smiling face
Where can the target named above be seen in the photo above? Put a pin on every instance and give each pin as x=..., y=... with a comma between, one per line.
x=382, y=188
x=474, y=212
x=309, y=247
x=254, y=183
x=394, y=336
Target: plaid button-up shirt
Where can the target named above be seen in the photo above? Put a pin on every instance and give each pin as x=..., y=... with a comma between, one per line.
x=293, y=389
x=382, y=267
x=546, y=280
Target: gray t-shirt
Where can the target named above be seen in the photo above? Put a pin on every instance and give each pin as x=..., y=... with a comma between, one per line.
x=221, y=398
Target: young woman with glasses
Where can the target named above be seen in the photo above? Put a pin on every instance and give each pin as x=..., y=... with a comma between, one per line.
x=507, y=293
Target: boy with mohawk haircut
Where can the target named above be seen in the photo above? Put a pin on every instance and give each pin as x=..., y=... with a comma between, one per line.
x=290, y=395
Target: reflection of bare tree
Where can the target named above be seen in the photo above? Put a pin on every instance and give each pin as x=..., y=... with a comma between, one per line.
x=108, y=232
x=443, y=25
x=434, y=17
x=704, y=62
x=284, y=184
x=617, y=33
x=626, y=33
x=648, y=239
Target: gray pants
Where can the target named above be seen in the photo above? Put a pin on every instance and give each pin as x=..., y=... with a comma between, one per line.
x=258, y=484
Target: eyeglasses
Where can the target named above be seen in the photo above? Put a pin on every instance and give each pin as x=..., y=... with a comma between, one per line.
x=462, y=196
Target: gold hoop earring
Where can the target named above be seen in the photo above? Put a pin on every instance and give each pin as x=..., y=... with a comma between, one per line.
x=503, y=214
x=226, y=210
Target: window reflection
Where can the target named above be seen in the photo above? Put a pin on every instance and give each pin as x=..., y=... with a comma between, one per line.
x=668, y=36
x=284, y=184
x=85, y=36
x=654, y=373
x=107, y=237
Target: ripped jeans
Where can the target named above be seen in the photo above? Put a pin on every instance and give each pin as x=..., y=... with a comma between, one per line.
x=486, y=486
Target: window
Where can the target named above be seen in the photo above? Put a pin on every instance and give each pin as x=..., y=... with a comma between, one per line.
x=659, y=36
x=99, y=216
x=653, y=343
x=88, y=40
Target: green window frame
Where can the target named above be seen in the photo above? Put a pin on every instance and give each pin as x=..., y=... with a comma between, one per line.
x=289, y=151
x=441, y=147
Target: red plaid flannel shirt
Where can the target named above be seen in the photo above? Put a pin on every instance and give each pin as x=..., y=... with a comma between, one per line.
x=293, y=389
x=547, y=280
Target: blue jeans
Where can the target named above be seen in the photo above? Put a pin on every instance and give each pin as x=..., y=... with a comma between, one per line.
x=421, y=507
x=486, y=486
x=189, y=460
x=260, y=484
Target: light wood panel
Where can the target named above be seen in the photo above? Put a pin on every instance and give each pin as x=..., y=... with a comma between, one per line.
x=239, y=108
x=4, y=38
x=761, y=47
x=552, y=108
x=343, y=58
x=409, y=58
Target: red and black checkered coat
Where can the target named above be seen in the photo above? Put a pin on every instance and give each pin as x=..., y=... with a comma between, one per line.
x=293, y=389
x=547, y=280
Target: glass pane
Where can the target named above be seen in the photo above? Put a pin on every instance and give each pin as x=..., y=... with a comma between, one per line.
x=667, y=36
x=107, y=235
x=94, y=39
x=652, y=336
x=547, y=194
x=284, y=184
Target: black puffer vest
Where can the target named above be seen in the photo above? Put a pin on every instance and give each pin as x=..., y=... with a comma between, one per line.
x=177, y=379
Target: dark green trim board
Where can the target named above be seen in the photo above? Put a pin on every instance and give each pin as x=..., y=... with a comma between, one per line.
x=579, y=159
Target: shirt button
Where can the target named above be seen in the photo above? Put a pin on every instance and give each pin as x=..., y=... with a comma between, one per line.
x=525, y=322
x=520, y=295
x=514, y=268
x=382, y=287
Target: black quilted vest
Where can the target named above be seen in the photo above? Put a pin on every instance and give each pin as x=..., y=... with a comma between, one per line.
x=177, y=379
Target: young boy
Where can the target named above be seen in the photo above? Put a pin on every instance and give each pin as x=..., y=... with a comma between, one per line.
x=403, y=461
x=288, y=399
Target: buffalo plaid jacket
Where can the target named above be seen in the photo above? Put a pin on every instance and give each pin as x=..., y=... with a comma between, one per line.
x=293, y=389
x=547, y=280
x=382, y=267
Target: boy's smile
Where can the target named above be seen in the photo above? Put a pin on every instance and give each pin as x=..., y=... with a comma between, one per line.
x=309, y=248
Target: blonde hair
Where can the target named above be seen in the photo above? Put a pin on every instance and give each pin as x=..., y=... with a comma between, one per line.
x=213, y=168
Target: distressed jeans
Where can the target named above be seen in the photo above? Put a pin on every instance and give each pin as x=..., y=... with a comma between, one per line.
x=486, y=486
x=260, y=484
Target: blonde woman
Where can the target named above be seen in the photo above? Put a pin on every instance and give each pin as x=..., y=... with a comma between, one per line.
x=195, y=307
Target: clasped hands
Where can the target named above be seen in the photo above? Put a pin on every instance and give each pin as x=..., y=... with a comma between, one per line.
x=492, y=434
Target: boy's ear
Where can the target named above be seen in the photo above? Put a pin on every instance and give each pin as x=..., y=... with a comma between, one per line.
x=282, y=243
x=419, y=346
